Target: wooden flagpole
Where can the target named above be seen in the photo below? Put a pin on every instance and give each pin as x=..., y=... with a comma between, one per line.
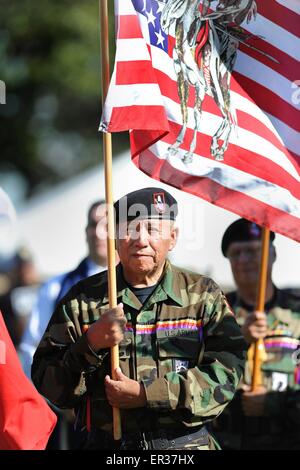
x=260, y=306
x=107, y=154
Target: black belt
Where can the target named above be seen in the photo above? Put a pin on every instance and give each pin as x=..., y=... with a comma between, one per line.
x=166, y=439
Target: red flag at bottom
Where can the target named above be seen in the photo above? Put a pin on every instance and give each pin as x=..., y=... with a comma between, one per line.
x=26, y=421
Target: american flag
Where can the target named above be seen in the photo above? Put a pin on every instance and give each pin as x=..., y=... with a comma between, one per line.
x=258, y=175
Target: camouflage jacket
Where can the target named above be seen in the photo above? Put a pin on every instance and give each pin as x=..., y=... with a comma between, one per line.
x=183, y=344
x=280, y=370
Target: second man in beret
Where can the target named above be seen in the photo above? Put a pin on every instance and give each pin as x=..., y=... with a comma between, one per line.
x=269, y=417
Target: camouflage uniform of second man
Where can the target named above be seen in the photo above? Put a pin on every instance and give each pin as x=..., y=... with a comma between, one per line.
x=268, y=418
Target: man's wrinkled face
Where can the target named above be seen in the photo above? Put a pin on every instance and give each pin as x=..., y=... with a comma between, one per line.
x=244, y=258
x=143, y=245
x=96, y=233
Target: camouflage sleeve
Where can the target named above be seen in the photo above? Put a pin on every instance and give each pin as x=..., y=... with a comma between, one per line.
x=204, y=390
x=63, y=355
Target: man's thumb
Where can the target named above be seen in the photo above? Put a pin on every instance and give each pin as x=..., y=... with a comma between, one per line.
x=119, y=374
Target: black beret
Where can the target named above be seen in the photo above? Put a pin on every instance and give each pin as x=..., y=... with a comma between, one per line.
x=240, y=231
x=146, y=203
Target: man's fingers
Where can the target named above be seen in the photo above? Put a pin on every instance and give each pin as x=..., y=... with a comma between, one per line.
x=117, y=315
x=122, y=322
x=257, y=319
x=259, y=315
x=261, y=322
x=260, y=329
x=119, y=375
x=109, y=388
x=259, y=335
x=117, y=329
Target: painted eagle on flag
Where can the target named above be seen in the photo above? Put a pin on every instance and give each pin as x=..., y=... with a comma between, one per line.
x=204, y=55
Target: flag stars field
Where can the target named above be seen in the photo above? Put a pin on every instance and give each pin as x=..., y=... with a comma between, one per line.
x=152, y=11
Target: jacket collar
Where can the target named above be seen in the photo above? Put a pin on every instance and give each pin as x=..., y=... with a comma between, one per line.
x=166, y=288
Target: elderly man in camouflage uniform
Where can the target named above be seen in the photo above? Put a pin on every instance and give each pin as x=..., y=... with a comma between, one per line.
x=181, y=350
x=268, y=418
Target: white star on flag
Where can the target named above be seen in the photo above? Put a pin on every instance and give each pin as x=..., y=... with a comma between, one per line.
x=160, y=7
x=151, y=17
x=160, y=38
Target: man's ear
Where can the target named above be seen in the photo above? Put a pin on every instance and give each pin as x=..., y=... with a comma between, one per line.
x=117, y=236
x=174, y=236
x=274, y=254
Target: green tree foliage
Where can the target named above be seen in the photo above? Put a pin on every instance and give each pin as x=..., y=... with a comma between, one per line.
x=50, y=63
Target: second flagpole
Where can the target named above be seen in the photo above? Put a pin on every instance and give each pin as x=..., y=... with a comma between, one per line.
x=107, y=157
x=260, y=306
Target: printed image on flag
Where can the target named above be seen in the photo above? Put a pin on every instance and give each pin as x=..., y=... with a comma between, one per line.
x=210, y=93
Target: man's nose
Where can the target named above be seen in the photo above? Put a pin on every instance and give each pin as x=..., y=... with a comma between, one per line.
x=101, y=232
x=243, y=256
x=142, y=236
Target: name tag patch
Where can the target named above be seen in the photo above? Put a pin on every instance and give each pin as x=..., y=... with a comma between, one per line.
x=279, y=381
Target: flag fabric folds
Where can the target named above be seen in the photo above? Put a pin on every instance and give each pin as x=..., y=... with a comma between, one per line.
x=210, y=93
x=26, y=421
